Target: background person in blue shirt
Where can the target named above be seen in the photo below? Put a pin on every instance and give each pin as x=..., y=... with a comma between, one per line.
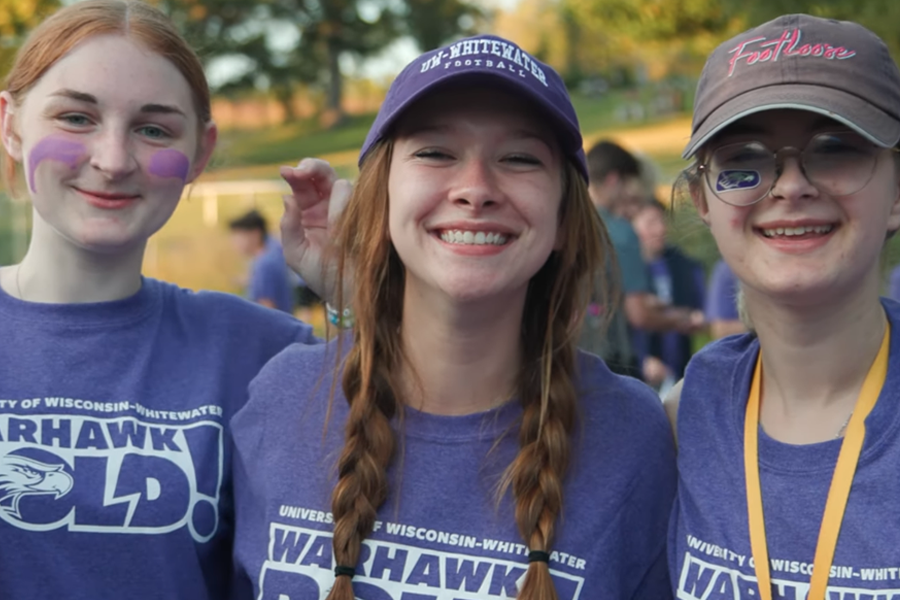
x=269, y=282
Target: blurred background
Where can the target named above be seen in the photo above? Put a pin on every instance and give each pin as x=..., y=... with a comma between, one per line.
x=300, y=78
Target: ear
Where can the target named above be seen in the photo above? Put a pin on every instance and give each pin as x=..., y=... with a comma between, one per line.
x=11, y=140
x=894, y=214
x=698, y=196
x=206, y=145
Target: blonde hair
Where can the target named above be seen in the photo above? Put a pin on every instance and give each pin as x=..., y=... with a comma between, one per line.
x=555, y=305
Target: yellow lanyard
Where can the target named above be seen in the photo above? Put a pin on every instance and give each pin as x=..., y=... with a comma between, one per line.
x=840, y=482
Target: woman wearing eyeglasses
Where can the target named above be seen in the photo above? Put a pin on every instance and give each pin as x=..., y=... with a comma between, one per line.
x=789, y=450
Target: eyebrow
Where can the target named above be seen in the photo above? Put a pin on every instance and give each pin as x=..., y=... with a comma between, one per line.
x=147, y=108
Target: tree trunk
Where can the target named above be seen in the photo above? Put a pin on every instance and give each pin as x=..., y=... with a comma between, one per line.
x=285, y=97
x=335, y=83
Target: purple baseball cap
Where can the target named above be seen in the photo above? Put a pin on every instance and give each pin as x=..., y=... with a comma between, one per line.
x=838, y=69
x=490, y=61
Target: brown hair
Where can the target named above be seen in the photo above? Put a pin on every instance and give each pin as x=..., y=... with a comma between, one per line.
x=72, y=25
x=555, y=304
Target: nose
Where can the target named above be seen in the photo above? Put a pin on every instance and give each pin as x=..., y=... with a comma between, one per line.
x=791, y=182
x=113, y=155
x=475, y=186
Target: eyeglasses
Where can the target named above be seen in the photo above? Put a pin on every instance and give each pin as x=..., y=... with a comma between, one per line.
x=837, y=164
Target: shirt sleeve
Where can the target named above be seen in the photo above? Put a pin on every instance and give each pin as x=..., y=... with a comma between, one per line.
x=722, y=298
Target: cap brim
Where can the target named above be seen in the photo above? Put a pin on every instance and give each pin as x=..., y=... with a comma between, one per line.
x=494, y=78
x=868, y=120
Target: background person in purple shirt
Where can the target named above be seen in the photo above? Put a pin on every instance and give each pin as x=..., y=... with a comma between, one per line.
x=465, y=423
x=789, y=436
x=269, y=282
x=894, y=284
x=722, y=302
x=678, y=281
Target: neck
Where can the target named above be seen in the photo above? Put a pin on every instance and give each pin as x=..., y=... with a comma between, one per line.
x=599, y=197
x=462, y=358
x=56, y=271
x=815, y=359
x=260, y=248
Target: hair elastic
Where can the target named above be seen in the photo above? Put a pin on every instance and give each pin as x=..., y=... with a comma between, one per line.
x=538, y=556
x=342, y=570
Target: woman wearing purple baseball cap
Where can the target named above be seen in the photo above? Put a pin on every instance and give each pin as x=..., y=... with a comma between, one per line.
x=788, y=436
x=469, y=450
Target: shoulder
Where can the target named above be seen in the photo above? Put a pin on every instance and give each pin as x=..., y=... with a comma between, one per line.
x=612, y=400
x=220, y=316
x=296, y=367
x=712, y=373
x=892, y=308
x=620, y=230
x=288, y=384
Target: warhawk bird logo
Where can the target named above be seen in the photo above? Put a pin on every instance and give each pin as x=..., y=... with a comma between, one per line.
x=22, y=476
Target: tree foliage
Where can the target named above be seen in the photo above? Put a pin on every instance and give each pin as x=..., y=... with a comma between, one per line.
x=322, y=33
x=17, y=18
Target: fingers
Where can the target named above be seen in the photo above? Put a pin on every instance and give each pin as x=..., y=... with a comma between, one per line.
x=340, y=196
x=292, y=221
x=310, y=175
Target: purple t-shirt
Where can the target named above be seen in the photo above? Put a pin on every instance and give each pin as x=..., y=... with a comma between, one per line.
x=115, y=478
x=270, y=278
x=709, y=537
x=894, y=284
x=721, y=301
x=440, y=535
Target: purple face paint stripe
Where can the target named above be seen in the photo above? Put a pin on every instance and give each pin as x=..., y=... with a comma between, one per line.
x=54, y=148
x=170, y=163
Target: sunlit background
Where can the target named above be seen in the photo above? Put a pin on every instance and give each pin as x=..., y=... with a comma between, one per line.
x=299, y=78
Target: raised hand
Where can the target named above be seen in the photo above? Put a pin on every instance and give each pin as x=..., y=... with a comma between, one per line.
x=316, y=200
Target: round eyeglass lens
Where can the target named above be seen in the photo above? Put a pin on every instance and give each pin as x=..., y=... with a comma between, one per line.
x=742, y=173
x=840, y=164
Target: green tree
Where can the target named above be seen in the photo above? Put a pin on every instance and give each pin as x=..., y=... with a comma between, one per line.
x=674, y=35
x=321, y=34
x=17, y=18
x=432, y=23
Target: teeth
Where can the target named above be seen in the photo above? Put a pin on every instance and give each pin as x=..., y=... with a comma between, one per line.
x=792, y=231
x=477, y=238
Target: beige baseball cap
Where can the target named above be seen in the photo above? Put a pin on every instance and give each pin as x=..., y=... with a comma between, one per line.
x=838, y=69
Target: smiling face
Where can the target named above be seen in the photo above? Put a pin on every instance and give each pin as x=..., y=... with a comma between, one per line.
x=475, y=188
x=800, y=244
x=107, y=138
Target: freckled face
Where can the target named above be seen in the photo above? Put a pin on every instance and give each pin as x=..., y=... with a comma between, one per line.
x=108, y=138
x=475, y=190
x=842, y=236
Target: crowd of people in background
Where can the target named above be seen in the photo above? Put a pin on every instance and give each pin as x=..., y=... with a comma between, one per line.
x=666, y=306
